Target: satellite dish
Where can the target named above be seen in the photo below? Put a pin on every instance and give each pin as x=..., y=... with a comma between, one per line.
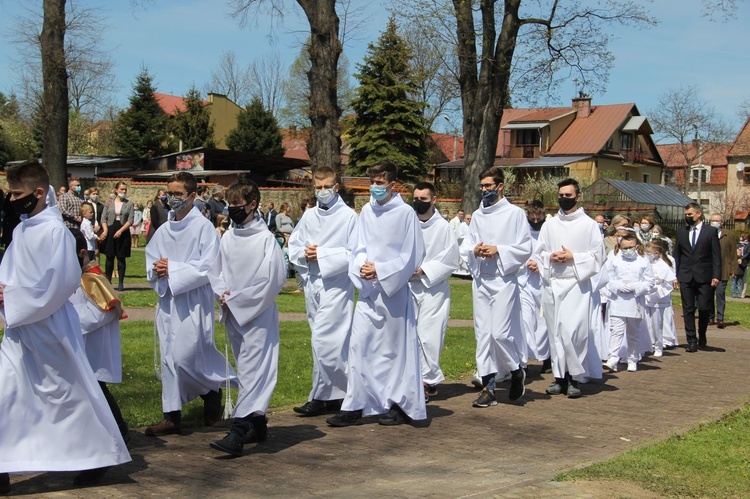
x=740, y=166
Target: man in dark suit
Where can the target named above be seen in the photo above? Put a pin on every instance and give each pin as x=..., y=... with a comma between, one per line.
x=270, y=218
x=697, y=255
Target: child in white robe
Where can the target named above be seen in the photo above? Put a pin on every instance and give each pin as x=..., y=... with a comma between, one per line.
x=659, y=301
x=384, y=370
x=100, y=311
x=630, y=280
x=178, y=258
x=53, y=415
x=320, y=248
x=429, y=284
x=246, y=276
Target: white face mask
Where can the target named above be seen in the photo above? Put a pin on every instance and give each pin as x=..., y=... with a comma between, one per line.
x=652, y=257
x=716, y=225
x=645, y=227
x=325, y=196
x=656, y=234
x=628, y=253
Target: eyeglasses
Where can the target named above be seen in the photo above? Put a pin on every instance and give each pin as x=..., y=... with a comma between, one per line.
x=487, y=186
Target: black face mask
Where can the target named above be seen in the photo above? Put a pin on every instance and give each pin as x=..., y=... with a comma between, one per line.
x=566, y=204
x=25, y=205
x=689, y=220
x=421, y=207
x=537, y=226
x=237, y=214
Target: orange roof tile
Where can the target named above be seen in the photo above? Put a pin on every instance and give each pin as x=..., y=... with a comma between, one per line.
x=170, y=104
x=445, y=143
x=673, y=157
x=295, y=148
x=543, y=114
x=590, y=135
x=741, y=145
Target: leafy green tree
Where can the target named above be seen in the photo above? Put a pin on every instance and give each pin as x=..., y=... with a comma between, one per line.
x=257, y=132
x=193, y=126
x=388, y=123
x=142, y=129
x=16, y=141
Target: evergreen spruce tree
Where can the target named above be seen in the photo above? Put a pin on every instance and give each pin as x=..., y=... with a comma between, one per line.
x=193, y=126
x=257, y=132
x=142, y=129
x=388, y=124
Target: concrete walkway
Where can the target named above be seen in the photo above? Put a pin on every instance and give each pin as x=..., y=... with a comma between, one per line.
x=511, y=450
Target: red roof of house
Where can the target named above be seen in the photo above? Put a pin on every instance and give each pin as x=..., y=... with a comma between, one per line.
x=741, y=145
x=542, y=114
x=295, y=148
x=170, y=104
x=445, y=143
x=673, y=157
x=589, y=135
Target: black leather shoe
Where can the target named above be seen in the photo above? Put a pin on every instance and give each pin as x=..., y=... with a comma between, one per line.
x=517, y=387
x=312, y=408
x=90, y=477
x=212, y=410
x=345, y=418
x=691, y=348
x=232, y=443
x=395, y=416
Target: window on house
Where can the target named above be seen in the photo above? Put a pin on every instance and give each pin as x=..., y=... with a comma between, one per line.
x=704, y=175
x=627, y=175
x=646, y=178
x=626, y=142
x=669, y=178
x=527, y=137
x=610, y=144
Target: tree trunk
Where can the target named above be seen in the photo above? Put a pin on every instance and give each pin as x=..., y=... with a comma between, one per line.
x=484, y=93
x=324, y=146
x=55, y=97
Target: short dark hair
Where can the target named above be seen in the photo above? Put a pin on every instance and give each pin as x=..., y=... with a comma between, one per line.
x=425, y=185
x=536, y=207
x=694, y=206
x=30, y=173
x=246, y=191
x=185, y=178
x=567, y=182
x=495, y=172
x=385, y=169
x=200, y=189
x=86, y=203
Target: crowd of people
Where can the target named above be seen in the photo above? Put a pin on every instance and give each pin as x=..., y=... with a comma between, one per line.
x=580, y=294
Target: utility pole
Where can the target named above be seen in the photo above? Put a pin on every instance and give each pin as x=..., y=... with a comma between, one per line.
x=699, y=144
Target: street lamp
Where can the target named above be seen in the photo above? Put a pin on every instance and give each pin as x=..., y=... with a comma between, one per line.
x=697, y=142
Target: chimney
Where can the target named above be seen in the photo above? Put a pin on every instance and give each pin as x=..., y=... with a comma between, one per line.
x=582, y=104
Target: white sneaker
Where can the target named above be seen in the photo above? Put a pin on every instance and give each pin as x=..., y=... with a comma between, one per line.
x=632, y=367
x=658, y=352
x=611, y=364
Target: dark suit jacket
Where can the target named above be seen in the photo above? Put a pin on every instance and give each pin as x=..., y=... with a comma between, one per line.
x=701, y=263
x=272, y=221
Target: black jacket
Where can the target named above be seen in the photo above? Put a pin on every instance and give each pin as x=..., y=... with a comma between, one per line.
x=701, y=263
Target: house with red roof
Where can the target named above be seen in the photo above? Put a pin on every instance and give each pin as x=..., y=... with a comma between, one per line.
x=223, y=112
x=583, y=140
x=738, y=176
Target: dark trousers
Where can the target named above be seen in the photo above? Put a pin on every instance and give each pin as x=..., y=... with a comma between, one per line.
x=721, y=301
x=702, y=292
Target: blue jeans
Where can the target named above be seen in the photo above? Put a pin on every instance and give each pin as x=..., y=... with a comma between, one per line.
x=736, y=287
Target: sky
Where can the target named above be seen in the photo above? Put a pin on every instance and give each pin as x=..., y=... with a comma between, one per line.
x=180, y=41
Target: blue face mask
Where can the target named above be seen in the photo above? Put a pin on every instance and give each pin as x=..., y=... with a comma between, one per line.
x=378, y=192
x=489, y=197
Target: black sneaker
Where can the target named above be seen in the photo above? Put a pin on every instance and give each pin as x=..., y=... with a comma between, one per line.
x=395, y=416
x=517, y=386
x=232, y=444
x=90, y=477
x=547, y=365
x=486, y=399
x=345, y=418
x=311, y=408
x=212, y=410
x=4, y=483
x=430, y=390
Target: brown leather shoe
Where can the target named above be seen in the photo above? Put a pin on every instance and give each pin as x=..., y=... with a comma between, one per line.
x=720, y=324
x=165, y=427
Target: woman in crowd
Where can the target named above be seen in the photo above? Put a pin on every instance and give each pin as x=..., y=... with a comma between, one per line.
x=117, y=218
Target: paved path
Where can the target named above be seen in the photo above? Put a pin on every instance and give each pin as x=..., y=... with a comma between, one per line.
x=511, y=450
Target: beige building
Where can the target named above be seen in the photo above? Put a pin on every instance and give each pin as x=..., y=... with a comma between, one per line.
x=223, y=113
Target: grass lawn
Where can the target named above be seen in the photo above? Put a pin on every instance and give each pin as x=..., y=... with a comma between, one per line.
x=139, y=395
x=712, y=460
x=734, y=312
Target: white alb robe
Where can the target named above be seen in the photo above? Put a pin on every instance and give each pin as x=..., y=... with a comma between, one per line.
x=496, y=297
x=383, y=349
x=567, y=299
x=101, y=337
x=53, y=415
x=630, y=305
x=432, y=293
x=190, y=363
x=535, y=329
x=658, y=318
x=329, y=293
x=463, y=266
x=251, y=267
